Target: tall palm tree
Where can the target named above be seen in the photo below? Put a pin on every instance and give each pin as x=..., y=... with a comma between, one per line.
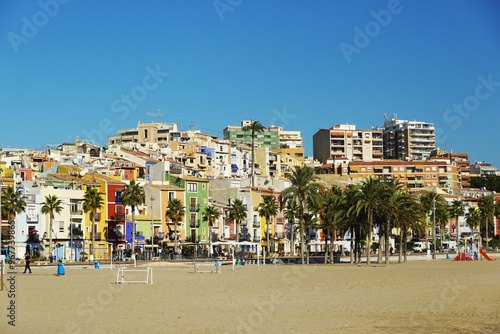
x=428, y=202
x=457, y=209
x=472, y=218
x=487, y=209
x=332, y=213
x=369, y=198
x=310, y=223
x=238, y=212
x=352, y=219
x=13, y=202
x=408, y=214
x=49, y=206
x=268, y=209
x=92, y=201
x=291, y=213
x=442, y=218
x=254, y=127
x=393, y=194
x=210, y=215
x=132, y=196
x=302, y=187
x=175, y=212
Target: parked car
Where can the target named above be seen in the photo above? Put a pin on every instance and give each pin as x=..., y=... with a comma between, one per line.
x=419, y=247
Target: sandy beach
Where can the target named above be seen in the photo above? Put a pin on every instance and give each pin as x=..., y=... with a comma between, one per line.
x=438, y=296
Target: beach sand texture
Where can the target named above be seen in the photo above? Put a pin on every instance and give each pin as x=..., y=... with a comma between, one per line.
x=438, y=296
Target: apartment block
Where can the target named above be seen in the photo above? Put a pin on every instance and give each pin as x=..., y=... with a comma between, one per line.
x=408, y=140
x=344, y=140
x=415, y=175
x=147, y=133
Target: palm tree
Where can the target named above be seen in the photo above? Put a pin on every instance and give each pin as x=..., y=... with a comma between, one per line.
x=238, y=212
x=408, y=214
x=291, y=213
x=310, y=223
x=132, y=196
x=442, y=217
x=430, y=201
x=331, y=214
x=487, y=209
x=302, y=187
x=457, y=209
x=352, y=219
x=369, y=198
x=92, y=201
x=49, y=206
x=254, y=127
x=13, y=202
x=268, y=209
x=175, y=212
x=472, y=218
x=210, y=215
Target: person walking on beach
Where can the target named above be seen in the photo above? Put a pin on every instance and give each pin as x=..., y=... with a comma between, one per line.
x=27, y=260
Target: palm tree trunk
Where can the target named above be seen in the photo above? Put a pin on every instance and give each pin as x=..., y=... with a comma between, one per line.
x=333, y=238
x=441, y=238
x=133, y=230
x=369, y=237
x=405, y=246
x=351, y=252
x=380, y=244
x=387, y=240
x=326, y=246
x=308, y=247
x=50, y=237
x=292, y=245
x=301, y=227
x=93, y=233
x=487, y=233
x=176, y=247
x=268, y=246
x=400, y=245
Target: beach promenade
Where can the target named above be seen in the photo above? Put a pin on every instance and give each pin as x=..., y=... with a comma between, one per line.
x=440, y=296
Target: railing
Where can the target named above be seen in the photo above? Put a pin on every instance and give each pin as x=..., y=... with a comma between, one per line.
x=256, y=224
x=194, y=224
x=97, y=216
x=119, y=216
x=195, y=208
x=32, y=218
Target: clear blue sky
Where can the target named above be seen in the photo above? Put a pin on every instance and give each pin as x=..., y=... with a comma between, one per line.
x=66, y=71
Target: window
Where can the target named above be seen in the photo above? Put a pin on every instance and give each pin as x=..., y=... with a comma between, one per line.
x=203, y=186
x=434, y=168
x=428, y=176
x=171, y=195
x=363, y=169
x=369, y=169
x=193, y=187
x=427, y=169
x=61, y=226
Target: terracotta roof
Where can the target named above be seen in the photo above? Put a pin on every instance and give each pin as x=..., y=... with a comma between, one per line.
x=398, y=162
x=141, y=155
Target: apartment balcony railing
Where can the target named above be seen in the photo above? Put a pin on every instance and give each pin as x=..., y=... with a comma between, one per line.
x=97, y=216
x=35, y=218
x=194, y=223
x=119, y=216
x=33, y=238
x=256, y=224
x=195, y=208
x=77, y=212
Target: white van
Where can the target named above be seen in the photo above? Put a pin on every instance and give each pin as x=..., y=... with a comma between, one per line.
x=449, y=246
x=419, y=246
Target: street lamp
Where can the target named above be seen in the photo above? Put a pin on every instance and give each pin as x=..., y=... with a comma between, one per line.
x=434, y=227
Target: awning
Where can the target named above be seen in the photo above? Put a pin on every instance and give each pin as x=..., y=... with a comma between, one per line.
x=233, y=166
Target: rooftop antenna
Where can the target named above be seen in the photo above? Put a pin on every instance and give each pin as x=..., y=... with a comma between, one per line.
x=159, y=112
x=385, y=116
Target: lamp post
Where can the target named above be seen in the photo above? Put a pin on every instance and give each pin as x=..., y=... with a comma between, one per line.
x=152, y=226
x=434, y=227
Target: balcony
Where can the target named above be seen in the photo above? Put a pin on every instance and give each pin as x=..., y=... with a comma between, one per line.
x=96, y=236
x=97, y=216
x=119, y=216
x=34, y=218
x=195, y=208
x=256, y=224
x=194, y=223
